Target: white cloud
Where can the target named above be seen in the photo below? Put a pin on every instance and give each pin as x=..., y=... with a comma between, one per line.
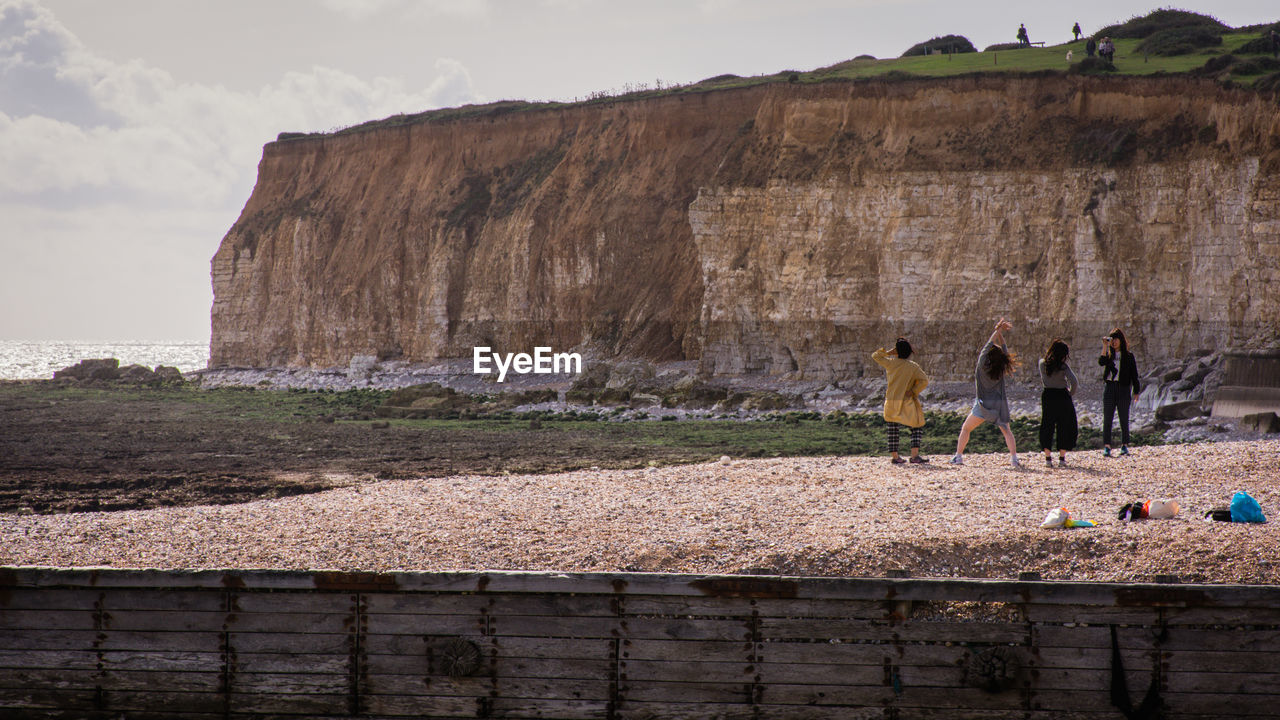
x=116, y=175
x=362, y=9
x=180, y=143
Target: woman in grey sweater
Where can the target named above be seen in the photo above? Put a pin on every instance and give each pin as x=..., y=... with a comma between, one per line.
x=994, y=362
x=1057, y=411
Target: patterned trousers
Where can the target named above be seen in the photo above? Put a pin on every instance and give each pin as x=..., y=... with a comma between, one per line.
x=893, y=429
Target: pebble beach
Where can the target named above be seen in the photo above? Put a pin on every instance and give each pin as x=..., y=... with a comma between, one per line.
x=825, y=516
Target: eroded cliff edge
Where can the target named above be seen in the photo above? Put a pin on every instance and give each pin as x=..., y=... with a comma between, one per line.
x=773, y=229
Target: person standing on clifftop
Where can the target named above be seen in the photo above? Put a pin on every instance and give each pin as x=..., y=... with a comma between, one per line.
x=1090, y=47
x=1075, y=30
x=1107, y=50
x=992, y=404
x=1023, y=38
x=1119, y=375
x=902, y=398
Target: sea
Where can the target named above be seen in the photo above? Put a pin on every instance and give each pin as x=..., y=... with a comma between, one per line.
x=30, y=360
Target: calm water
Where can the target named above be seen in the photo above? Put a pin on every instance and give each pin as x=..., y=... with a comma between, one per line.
x=20, y=360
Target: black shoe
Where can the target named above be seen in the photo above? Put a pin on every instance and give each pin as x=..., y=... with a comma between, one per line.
x=918, y=459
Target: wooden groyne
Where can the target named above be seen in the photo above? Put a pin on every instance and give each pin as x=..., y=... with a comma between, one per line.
x=238, y=644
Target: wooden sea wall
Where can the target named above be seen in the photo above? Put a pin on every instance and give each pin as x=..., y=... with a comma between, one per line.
x=262, y=644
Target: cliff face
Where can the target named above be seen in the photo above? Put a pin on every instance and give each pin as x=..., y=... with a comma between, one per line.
x=773, y=229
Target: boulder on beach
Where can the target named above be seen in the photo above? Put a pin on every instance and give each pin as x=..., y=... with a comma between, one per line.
x=139, y=374
x=92, y=369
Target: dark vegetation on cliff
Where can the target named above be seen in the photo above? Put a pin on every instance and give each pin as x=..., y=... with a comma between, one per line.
x=947, y=44
x=1164, y=41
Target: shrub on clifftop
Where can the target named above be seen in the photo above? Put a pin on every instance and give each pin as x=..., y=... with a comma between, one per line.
x=1091, y=66
x=1147, y=25
x=944, y=44
x=1180, y=41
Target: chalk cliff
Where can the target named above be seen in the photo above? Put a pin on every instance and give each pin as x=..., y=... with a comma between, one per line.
x=773, y=229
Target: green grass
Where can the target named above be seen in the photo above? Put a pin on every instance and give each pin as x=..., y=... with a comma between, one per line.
x=244, y=402
x=1128, y=61
x=1052, y=58
x=779, y=435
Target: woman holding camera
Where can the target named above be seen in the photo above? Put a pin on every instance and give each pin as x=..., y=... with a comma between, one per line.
x=1119, y=376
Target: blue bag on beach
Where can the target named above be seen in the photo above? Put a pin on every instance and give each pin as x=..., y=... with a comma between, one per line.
x=1244, y=509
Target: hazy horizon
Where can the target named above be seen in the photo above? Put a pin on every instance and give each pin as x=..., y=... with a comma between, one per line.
x=130, y=131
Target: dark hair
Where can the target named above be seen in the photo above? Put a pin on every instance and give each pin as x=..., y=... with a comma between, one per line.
x=1055, y=356
x=1000, y=363
x=903, y=348
x=1124, y=344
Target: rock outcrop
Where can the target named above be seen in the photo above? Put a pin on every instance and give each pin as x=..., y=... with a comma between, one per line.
x=782, y=229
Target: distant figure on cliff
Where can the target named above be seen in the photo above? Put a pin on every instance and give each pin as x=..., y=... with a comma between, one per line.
x=1275, y=43
x=1090, y=47
x=902, y=398
x=992, y=404
x=1057, y=411
x=1075, y=30
x=1107, y=50
x=1119, y=375
x=1023, y=39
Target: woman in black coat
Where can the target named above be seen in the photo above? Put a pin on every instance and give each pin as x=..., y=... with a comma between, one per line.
x=1119, y=375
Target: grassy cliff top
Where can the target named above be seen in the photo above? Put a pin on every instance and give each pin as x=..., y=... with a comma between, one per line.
x=1238, y=60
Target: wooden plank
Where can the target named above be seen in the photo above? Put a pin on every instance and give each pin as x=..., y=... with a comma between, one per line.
x=64, y=679
x=90, y=700
x=172, y=621
x=51, y=714
x=1083, y=614
x=1179, y=638
x=335, y=664
x=513, y=626
x=545, y=688
x=291, y=643
x=684, y=606
x=1137, y=674
x=1264, y=681
x=90, y=640
x=864, y=653
x=257, y=683
x=113, y=659
x=23, y=598
x=492, y=604
x=1193, y=661
x=1087, y=658
x=294, y=602
x=909, y=697
x=437, y=707
x=336, y=704
x=500, y=667
x=773, y=629
x=383, y=624
x=567, y=648
x=689, y=650
x=610, y=584
x=633, y=710
x=167, y=681
x=1088, y=614
x=1216, y=704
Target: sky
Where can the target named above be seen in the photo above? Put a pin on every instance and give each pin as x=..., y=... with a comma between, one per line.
x=130, y=130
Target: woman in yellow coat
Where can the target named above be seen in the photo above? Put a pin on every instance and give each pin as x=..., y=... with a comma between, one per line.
x=902, y=397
